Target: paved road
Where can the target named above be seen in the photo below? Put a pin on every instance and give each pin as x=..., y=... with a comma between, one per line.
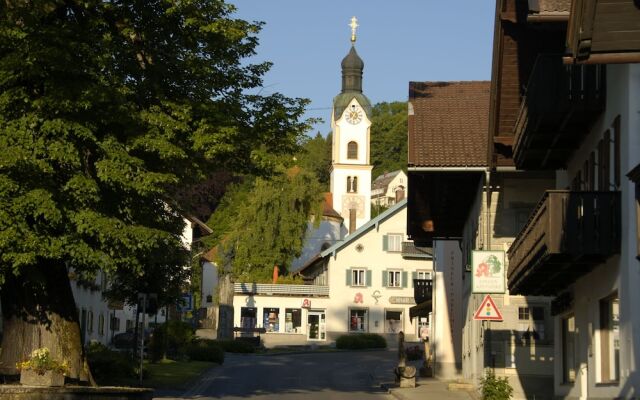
x=332, y=375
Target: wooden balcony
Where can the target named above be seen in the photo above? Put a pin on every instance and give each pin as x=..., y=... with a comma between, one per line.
x=560, y=104
x=267, y=289
x=422, y=290
x=567, y=234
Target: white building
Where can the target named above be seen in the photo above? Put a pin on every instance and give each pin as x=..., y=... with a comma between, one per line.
x=389, y=188
x=362, y=284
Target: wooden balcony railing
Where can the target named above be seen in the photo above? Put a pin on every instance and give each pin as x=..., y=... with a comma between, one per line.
x=422, y=290
x=567, y=234
x=560, y=103
x=280, y=289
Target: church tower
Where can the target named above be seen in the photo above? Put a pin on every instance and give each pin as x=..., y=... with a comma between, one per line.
x=351, y=122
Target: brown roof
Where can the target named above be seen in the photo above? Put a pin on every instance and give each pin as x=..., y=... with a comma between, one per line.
x=385, y=179
x=448, y=124
x=327, y=207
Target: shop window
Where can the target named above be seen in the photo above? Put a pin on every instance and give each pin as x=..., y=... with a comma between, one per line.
x=293, y=320
x=271, y=319
x=609, y=339
x=248, y=317
x=392, y=321
x=568, y=349
x=358, y=320
x=352, y=150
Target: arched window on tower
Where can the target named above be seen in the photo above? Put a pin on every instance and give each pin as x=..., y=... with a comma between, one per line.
x=352, y=150
x=348, y=184
x=354, y=184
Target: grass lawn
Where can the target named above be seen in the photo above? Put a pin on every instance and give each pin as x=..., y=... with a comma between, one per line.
x=168, y=374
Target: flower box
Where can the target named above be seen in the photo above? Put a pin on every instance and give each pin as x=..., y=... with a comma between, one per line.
x=30, y=377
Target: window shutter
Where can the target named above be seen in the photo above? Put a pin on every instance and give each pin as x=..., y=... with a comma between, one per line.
x=385, y=243
x=414, y=275
x=349, y=277
x=385, y=277
x=368, y=277
x=404, y=279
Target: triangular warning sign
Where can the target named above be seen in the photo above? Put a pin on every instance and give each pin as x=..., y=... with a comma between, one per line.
x=488, y=311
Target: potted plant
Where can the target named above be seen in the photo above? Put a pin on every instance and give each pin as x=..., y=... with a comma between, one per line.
x=42, y=370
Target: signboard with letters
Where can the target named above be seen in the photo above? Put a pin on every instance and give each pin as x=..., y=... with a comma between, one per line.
x=487, y=271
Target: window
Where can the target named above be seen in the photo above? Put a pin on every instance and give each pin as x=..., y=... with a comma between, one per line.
x=603, y=162
x=393, y=278
x=101, y=324
x=616, y=151
x=271, y=319
x=392, y=242
x=352, y=150
x=568, y=349
x=115, y=324
x=423, y=274
x=354, y=185
x=292, y=320
x=90, y=322
x=531, y=323
x=248, y=317
x=392, y=321
x=358, y=320
x=609, y=339
x=358, y=277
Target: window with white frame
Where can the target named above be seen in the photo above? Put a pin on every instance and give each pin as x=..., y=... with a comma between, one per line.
x=394, y=278
x=423, y=274
x=358, y=320
x=568, y=349
x=358, y=277
x=531, y=323
x=394, y=242
x=393, y=321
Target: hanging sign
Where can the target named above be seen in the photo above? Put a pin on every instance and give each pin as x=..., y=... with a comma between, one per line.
x=487, y=311
x=487, y=271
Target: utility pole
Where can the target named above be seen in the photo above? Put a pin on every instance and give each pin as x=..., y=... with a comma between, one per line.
x=143, y=298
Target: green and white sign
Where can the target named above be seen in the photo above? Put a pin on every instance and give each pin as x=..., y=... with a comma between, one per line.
x=487, y=271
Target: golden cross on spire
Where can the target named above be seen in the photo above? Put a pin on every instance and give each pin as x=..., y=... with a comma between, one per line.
x=353, y=25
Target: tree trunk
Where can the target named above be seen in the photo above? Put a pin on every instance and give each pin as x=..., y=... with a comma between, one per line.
x=225, y=307
x=38, y=310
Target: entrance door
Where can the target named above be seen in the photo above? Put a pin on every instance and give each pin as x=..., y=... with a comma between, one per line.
x=316, y=325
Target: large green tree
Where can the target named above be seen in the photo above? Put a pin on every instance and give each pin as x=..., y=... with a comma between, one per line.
x=262, y=222
x=315, y=157
x=388, y=137
x=107, y=110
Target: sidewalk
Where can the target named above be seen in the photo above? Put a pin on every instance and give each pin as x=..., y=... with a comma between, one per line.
x=429, y=388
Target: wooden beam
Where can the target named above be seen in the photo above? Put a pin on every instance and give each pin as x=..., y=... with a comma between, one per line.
x=605, y=58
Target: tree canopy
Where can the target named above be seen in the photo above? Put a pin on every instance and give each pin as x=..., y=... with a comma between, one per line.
x=107, y=111
x=388, y=137
x=315, y=157
x=261, y=223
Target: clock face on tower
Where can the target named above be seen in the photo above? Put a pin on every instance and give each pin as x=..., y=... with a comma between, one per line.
x=354, y=115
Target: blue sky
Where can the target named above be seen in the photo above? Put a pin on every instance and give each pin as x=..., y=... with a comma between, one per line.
x=399, y=41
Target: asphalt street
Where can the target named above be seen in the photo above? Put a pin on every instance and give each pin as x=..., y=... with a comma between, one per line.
x=317, y=375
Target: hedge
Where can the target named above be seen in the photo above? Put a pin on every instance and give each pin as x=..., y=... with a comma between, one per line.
x=361, y=341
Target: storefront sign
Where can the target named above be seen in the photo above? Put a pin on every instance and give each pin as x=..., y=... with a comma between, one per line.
x=487, y=271
x=358, y=298
x=402, y=300
x=306, y=303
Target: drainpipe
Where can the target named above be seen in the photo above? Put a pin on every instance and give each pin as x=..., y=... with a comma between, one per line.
x=488, y=210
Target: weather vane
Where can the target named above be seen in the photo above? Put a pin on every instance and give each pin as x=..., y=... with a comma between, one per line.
x=353, y=25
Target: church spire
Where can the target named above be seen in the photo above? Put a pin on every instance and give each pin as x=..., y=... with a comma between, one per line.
x=352, y=65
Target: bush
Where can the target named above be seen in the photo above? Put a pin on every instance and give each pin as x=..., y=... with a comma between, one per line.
x=494, y=388
x=171, y=339
x=205, y=350
x=361, y=341
x=106, y=364
x=236, y=346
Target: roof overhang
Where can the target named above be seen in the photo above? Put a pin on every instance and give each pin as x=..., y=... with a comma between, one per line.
x=439, y=202
x=421, y=310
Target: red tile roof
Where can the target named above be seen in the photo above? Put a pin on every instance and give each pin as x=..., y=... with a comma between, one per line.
x=448, y=124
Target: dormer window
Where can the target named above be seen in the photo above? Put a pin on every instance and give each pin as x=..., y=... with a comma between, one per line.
x=352, y=150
